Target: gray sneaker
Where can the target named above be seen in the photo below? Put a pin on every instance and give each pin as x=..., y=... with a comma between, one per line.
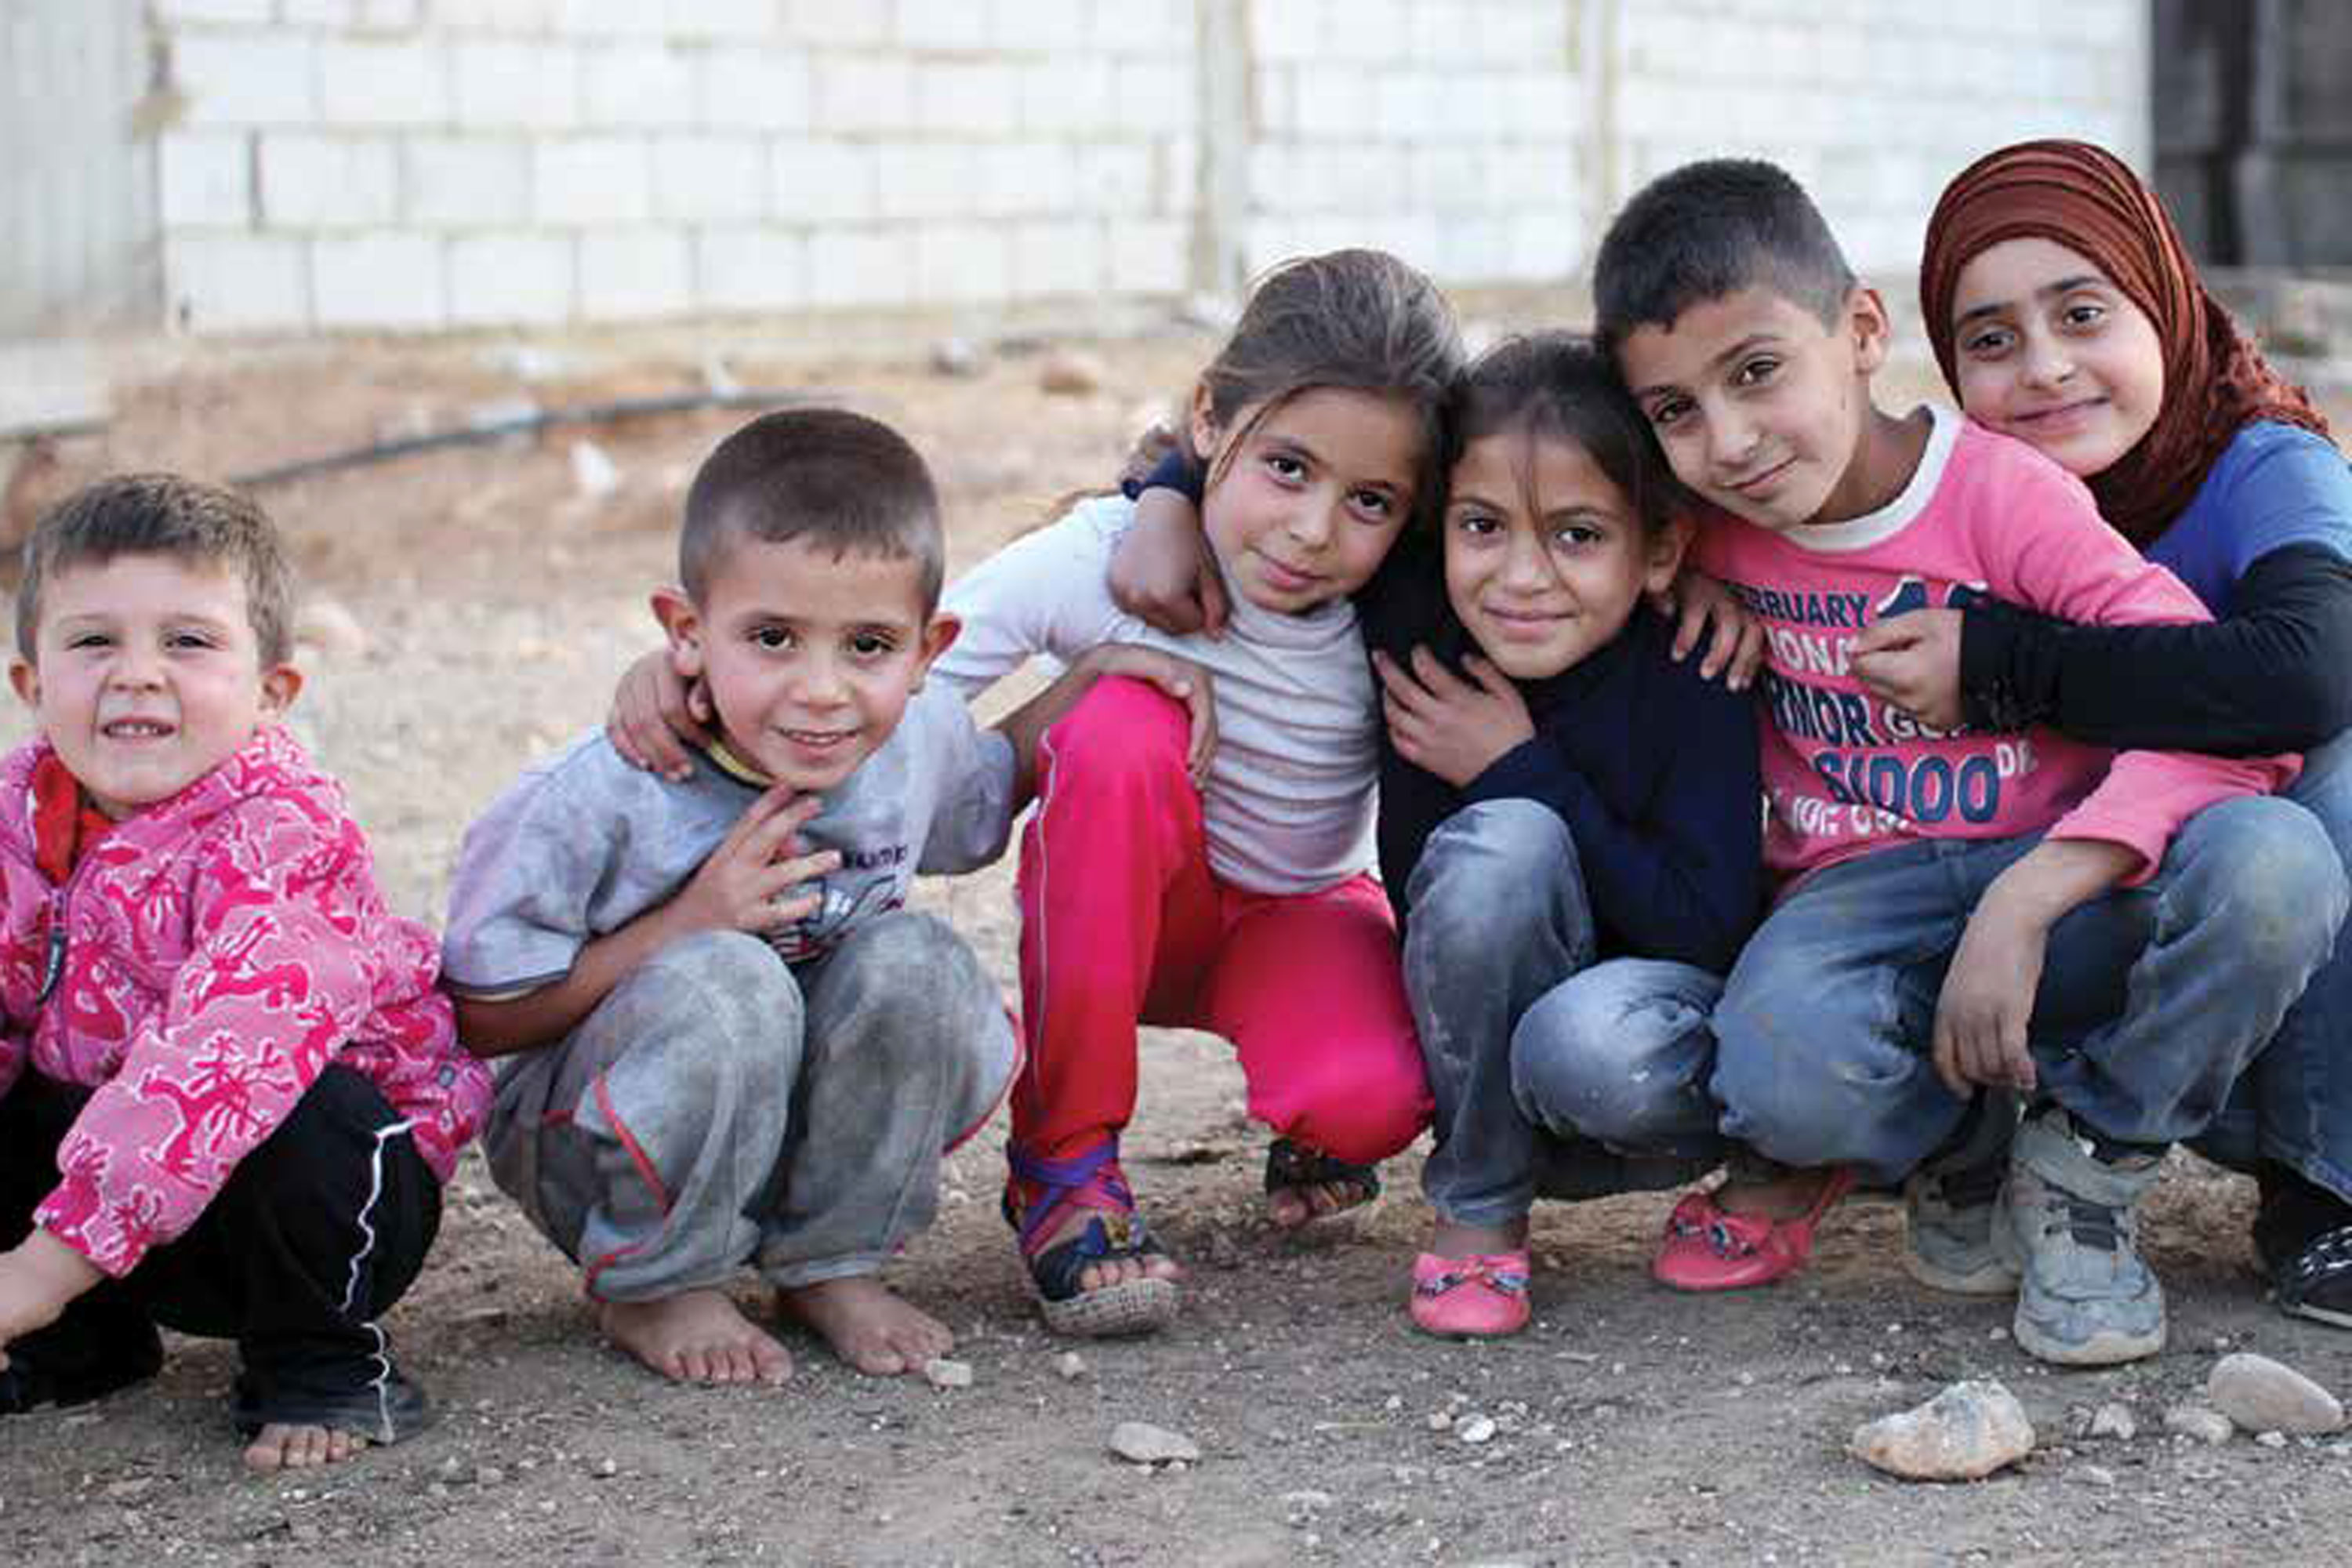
x=2068, y=1220
x=1948, y=1207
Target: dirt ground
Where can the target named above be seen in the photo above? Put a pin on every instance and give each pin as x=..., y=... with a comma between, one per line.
x=491, y=601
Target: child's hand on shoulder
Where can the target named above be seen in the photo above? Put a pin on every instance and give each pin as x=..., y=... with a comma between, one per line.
x=1180, y=678
x=1161, y=572
x=1913, y=660
x=1444, y=725
x=656, y=713
x=1701, y=607
x=754, y=881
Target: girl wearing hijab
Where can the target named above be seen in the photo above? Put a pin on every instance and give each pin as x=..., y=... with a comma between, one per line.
x=2065, y=311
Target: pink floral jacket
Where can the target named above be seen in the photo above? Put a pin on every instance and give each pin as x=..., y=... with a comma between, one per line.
x=200, y=967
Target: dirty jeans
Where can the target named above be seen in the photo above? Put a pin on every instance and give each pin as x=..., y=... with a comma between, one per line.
x=2152, y=1000
x=720, y=1107
x=1500, y=933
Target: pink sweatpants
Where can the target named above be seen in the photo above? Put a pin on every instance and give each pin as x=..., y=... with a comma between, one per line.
x=1123, y=923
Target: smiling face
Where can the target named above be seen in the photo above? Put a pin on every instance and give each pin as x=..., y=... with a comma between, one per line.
x=808, y=657
x=1545, y=557
x=2049, y=351
x=146, y=675
x=1759, y=406
x=1306, y=495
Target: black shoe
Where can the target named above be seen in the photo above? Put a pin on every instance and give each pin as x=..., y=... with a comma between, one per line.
x=2303, y=1235
x=73, y=1363
x=372, y=1399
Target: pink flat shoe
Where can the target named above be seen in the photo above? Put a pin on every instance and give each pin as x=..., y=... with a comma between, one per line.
x=1707, y=1248
x=1484, y=1295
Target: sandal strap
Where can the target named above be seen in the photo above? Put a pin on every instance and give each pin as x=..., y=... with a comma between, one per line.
x=2326, y=1257
x=1090, y=1180
x=1497, y=1272
x=1294, y=1164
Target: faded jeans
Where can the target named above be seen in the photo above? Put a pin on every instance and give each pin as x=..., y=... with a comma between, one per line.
x=720, y=1107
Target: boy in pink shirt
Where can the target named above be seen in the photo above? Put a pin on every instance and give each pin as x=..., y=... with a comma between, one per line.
x=229, y=1091
x=1963, y=916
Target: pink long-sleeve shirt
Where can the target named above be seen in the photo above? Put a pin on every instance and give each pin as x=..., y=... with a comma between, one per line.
x=197, y=970
x=1846, y=773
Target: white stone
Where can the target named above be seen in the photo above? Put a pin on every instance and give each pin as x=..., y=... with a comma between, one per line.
x=464, y=181
x=246, y=79
x=709, y=177
x=205, y=179
x=520, y=279
x=634, y=274
x=328, y=182
x=1965, y=1433
x=1139, y=1442
x=594, y=475
x=2271, y=1439
x=236, y=283
x=941, y=1372
x=376, y=83
x=501, y=84
x=2202, y=1421
x=591, y=180
x=749, y=269
x=755, y=90
x=390, y=279
x=1069, y=1366
x=2114, y=1420
x=1475, y=1429
x=2263, y=1395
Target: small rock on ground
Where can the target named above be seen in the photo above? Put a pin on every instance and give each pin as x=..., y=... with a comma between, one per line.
x=2263, y=1395
x=2114, y=1420
x=941, y=1372
x=1069, y=374
x=1069, y=1366
x=2202, y=1421
x=1964, y=1434
x=1144, y=1444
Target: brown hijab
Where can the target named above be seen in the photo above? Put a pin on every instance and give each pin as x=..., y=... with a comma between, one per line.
x=2088, y=200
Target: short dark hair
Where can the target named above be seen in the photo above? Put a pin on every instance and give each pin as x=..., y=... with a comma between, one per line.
x=1710, y=230
x=1357, y=320
x=837, y=478
x=1561, y=386
x=162, y=514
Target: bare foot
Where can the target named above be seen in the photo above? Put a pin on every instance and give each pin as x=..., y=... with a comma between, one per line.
x=868, y=1326
x=1447, y=1239
x=696, y=1336
x=281, y=1448
x=1767, y=1192
x=1109, y=1270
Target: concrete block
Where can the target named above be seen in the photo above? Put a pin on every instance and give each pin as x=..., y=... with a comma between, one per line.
x=613, y=18
x=1064, y=258
x=337, y=14
x=390, y=15
x=495, y=15
x=1330, y=100
x=1153, y=95
x=205, y=179
x=836, y=23
x=636, y=274
x=1072, y=94
x=967, y=98
x=1365, y=31
x=513, y=84
x=211, y=10
x=389, y=282
x=328, y=182
x=1146, y=27
x=707, y=177
x=1116, y=178
x=734, y=21
x=1287, y=32
x=961, y=263
x=1153, y=257
x=236, y=282
x=1027, y=26
x=861, y=92
x=750, y=269
x=862, y=266
x=246, y=79
x=382, y=83
x=926, y=179
x=511, y=280
x=1025, y=177
x=942, y=25
x=755, y=90
x=465, y=182
x=823, y=182
x=591, y=180
x=635, y=86
x=1274, y=91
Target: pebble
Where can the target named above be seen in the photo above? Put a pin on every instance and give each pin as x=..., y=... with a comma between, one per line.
x=1069, y=1366
x=1475, y=1430
x=955, y=356
x=593, y=474
x=2271, y=1439
x=2263, y=1395
x=489, y=1476
x=1307, y=1501
x=2202, y=1421
x=1439, y=1421
x=1069, y=374
x=607, y=1469
x=325, y=624
x=2098, y=1476
x=1964, y=1434
x=941, y=1372
x=2114, y=1420
x=1141, y=1443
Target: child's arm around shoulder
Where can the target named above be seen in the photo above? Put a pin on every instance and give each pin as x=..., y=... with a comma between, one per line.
x=1045, y=593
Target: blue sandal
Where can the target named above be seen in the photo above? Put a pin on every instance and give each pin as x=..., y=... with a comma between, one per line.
x=1115, y=1234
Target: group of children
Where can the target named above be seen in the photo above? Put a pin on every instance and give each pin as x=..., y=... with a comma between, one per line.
x=2022, y=860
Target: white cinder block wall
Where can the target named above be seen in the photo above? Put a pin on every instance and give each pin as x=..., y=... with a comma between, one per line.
x=427, y=164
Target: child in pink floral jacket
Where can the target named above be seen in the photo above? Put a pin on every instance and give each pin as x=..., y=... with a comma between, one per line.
x=229, y=1091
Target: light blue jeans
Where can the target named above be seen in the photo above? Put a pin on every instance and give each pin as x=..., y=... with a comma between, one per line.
x=1501, y=930
x=2154, y=999
x=2294, y=1105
